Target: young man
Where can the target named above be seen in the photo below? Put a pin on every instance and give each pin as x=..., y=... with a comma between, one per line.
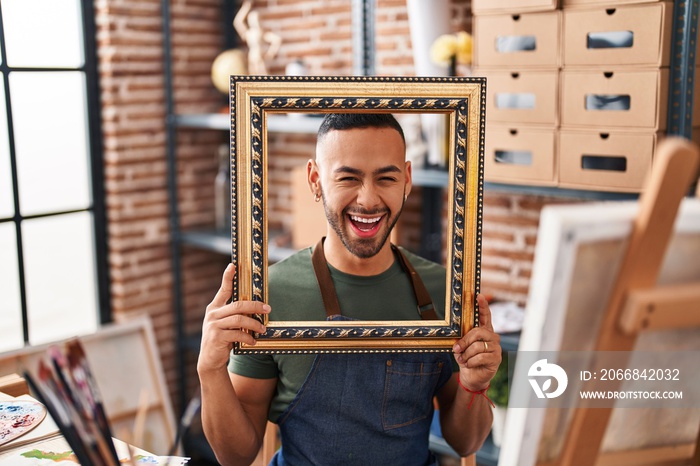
x=346, y=408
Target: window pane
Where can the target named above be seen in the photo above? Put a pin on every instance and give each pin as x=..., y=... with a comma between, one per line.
x=60, y=276
x=10, y=306
x=51, y=141
x=43, y=33
x=6, y=197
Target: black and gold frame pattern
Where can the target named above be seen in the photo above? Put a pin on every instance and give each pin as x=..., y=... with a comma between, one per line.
x=461, y=100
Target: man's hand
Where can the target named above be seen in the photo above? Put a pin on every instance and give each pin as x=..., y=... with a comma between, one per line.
x=225, y=324
x=478, y=353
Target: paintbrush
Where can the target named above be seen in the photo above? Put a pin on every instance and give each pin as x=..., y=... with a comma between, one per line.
x=62, y=378
x=60, y=366
x=81, y=370
x=185, y=422
x=75, y=406
x=49, y=398
x=83, y=402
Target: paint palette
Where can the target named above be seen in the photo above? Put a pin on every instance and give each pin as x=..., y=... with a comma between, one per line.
x=19, y=417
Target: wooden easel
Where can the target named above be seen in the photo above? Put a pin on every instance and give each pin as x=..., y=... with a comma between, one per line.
x=637, y=304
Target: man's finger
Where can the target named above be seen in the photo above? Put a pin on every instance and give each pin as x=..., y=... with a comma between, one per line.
x=226, y=289
x=484, y=312
x=241, y=322
x=475, y=336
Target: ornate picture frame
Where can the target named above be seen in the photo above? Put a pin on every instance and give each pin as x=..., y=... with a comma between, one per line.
x=461, y=100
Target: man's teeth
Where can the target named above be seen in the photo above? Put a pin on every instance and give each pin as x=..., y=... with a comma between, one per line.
x=365, y=220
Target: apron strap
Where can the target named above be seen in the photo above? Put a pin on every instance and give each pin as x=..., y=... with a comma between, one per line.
x=426, y=310
x=325, y=282
x=425, y=304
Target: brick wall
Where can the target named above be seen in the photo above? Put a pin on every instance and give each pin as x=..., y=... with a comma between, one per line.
x=130, y=54
x=132, y=82
x=508, y=242
x=317, y=32
x=131, y=79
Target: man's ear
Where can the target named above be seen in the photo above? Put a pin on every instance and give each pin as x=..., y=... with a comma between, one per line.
x=409, y=179
x=313, y=177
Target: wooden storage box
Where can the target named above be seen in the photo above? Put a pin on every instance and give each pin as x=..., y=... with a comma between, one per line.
x=520, y=155
x=626, y=98
x=635, y=35
x=518, y=40
x=523, y=96
x=601, y=3
x=605, y=161
x=482, y=7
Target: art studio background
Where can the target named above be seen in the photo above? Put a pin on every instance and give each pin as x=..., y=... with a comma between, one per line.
x=114, y=142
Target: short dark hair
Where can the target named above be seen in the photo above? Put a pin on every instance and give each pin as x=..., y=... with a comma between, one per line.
x=341, y=121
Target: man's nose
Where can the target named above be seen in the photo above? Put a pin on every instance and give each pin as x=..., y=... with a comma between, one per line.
x=368, y=197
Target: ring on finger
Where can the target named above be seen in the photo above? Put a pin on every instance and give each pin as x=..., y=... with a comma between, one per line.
x=486, y=346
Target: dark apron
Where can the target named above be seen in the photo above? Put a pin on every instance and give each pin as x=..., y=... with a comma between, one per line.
x=364, y=409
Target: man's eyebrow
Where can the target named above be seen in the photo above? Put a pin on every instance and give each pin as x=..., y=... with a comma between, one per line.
x=358, y=172
x=387, y=169
x=351, y=170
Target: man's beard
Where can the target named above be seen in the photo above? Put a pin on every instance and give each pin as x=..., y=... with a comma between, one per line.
x=363, y=248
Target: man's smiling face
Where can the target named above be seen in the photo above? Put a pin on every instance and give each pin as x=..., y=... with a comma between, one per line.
x=363, y=177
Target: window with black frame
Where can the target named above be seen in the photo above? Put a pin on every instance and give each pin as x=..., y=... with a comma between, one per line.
x=53, y=273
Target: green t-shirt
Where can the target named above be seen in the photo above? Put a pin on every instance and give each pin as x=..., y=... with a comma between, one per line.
x=294, y=294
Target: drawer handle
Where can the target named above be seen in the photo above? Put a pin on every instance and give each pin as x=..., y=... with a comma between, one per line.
x=610, y=163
